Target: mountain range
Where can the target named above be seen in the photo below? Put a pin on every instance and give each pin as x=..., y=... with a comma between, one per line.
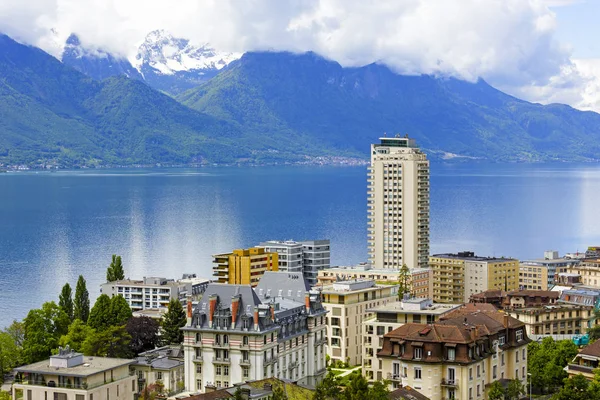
x=95, y=109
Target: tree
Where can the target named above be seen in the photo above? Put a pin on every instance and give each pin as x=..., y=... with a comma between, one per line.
x=17, y=331
x=10, y=354
x=100, y=315
x=81, y=306
x=403, y=281
x=108, y=342
x=172, y=323
x=357, y=389
x=594, y=333
x=143, y=332
x=119, y=310
x=77, y=334
x=328, y=389
x=43, y=329
x=515, y=389
x=379, y=391
x=496, y=391
x=65, y=300
x=575, y=388
x=546, y=362
x=115, y=271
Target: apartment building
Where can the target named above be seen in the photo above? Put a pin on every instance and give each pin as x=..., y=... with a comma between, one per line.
x=244, y=266
x=458, y=357
x=388, y=317
x=239, y=333
x=71, y=376
x=456, y=277
x=164, y=364
x=559, y=319
x=398, y=204
x=155, y=293
x=541, y=273
x=348, y=303
x=589, y=270
x=308, y=257
x=516, y=299
x=420, y=280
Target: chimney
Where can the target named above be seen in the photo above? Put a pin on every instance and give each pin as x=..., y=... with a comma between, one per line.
x=212, y=305
x=235, y=305
x=272, y=313
x=189, y=310
x=256, y=318
x=307, y=302
x=506, y=321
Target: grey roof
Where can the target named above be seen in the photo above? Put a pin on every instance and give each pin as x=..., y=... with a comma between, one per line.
x=90, y=366
x=288, y=285
x=166, y=357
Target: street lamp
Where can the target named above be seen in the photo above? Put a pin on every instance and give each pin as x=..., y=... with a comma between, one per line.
x=529, y=375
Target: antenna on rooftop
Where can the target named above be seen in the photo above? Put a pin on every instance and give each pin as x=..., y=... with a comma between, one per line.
x=384, y=134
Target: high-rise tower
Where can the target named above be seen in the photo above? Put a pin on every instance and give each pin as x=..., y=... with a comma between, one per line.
x=398, y=204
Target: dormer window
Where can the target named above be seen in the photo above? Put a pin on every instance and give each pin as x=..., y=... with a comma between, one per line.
x=451, y=354
x=417, y=353
x=519, y=335
x=501, y=340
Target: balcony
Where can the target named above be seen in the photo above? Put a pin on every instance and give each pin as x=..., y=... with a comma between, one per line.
x=269, y=361
x=394, y=377
x=221, y=360
x=221, y=345
x=449, y=382
x=198, y=358
x=581, y=368
x=245, y=362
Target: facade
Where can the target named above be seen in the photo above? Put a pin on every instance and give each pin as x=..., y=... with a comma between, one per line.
x=239, y=333
x=547, y=269
x=244, y=266
x=456, y=358
x=456, y=277
x=420, y=280
x=560, y=319
x=308, y=257
x=155, y=293
x=164, y=364
x=71, y=376
x=388, y=317
x=348, y=303
x=585, y=362
x=589, y=269
x=398, y=204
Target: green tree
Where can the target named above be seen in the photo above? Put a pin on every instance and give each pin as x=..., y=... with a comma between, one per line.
x=81, y=306
x=173, y=320
x=65, y=300
x=379, y=391
x=403, y=281
x=119, y=310
x=115, y=270
x=328, y=389
x=575, y=388
x=594, y=333
x=108, y=342
x=43, y=329
x=100, y=315
x=357, y=388
x=144, y=334
x=77, y=334
x=496, y=391
x=5, y=395
x=237, y=395
x=546, y=362
x=17, y=331
x=514, y=389
x=10, y=354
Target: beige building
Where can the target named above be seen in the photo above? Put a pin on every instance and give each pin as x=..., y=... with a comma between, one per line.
x=238, y=333
x=456, y=277
x=558, y=319
x=388, y=317
x=348, y=303
x=71, y=376
x=420, y=279
x=398, y=204
x=533, y=277
x=589, y=270
x=585, y=362
x=456, y=358
x=164, y=364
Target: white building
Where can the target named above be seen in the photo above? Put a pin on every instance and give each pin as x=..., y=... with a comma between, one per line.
x=237, y=333
x=398, y=205
x=153, y=292
x=308, y=257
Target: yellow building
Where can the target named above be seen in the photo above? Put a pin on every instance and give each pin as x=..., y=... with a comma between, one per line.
x=589, y=270
x=349, y=304
x=533, y=277
x=71, y=376
x=557, y=319
x=456, y=277
x=244, y=266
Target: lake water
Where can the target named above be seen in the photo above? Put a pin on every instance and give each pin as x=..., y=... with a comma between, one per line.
x=166, y=222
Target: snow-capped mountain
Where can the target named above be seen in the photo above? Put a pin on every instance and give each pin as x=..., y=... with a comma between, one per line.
x=164, y=62
x=95, y=63
x=173, y=64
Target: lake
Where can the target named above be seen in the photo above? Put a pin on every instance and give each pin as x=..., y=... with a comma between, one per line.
x=166, y=222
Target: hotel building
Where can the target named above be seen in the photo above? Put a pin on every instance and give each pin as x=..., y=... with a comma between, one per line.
x=308, y=257
x=398, y=204
x=244, y=266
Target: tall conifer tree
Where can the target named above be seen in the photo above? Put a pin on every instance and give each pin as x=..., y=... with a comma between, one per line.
x=65, y=300
x=81, y=306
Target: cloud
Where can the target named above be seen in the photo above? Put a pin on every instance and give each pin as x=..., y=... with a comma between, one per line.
x=510, y=43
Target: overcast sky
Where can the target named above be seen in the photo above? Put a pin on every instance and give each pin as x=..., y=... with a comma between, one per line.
x=540, y=50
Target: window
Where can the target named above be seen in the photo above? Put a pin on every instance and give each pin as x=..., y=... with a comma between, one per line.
x=451, y=354
x=198, y=384
x=218, y=370
x=451, y=375
x=198, y=369
x=516, y=356
x=380, y=330
x=245, y=340
x=418, y=353
x=524, y=373
x=417, y=372
x=519, y=335
x=470, y=393
x=218, y=384
x=524, y=354
x=470, y=374
x=226, y=370
x=501, y=340
x=494, y=370
x=478, y=391
x=226, y=384
x=225, y=339
x=478, y=371
x=158, y=375
x=502, y=359
x=246, y=372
